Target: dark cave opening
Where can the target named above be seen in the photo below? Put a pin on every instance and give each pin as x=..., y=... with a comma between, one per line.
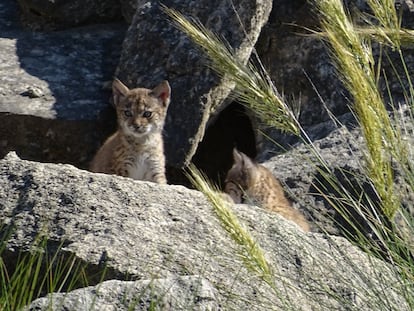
x=231, y=128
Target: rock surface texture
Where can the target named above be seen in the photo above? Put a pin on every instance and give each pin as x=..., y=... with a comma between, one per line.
x=53, y=107
x=301, y=67
x=168, y=236
x=174, y=293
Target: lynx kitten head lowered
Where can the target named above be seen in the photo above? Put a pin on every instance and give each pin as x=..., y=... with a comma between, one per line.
x=136, y=150
x=250, y=180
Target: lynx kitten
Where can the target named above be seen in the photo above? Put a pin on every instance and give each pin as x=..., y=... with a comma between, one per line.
x=256, y=182
x=136, y=150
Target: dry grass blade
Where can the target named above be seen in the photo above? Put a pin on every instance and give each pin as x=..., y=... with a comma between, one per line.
x=385, y=13
x=251, y=253
x=252, y=87
x=380, y=34
x=355, y=62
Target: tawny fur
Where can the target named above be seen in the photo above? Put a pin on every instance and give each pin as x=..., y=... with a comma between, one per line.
x=136, y=150
x=255, y=182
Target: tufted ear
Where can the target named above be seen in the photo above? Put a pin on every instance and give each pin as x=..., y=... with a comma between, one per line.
x=163, y=92
x=118, y=90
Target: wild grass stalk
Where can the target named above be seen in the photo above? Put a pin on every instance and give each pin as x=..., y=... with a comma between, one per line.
x=251, y=253
x=394, y=38
x=353, y=57
x=383, y=136
x=390, y=25
x=251, y=84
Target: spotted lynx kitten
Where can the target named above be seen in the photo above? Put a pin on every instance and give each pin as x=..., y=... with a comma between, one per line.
x=254, y=181
x=136, y=150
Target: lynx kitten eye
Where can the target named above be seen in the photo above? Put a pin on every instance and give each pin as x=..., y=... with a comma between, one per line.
x=147, y=114
x=128, y=113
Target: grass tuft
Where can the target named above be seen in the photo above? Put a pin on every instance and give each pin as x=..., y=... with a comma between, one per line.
x=37, y=273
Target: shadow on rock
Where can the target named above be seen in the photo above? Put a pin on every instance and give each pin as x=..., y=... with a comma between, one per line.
x=56, y=77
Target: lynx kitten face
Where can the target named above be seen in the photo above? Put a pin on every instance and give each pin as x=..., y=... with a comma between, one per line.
x=250, y=181
x=136, y=150
x=141, y=111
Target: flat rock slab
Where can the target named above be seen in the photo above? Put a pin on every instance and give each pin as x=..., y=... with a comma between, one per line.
x=137, y=230
x=55, y=76
x=155, y=50
x=175, y=293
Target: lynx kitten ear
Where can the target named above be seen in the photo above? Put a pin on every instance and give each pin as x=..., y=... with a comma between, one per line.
x=118, y=90
x=242, y=159
x=237, y=156
x=163, y=92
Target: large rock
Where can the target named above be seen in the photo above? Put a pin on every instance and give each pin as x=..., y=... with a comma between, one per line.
x=175, y=293
x=301, y=67
x=53, y=106
x=59, y=14
x=140, y=230
x=154, y=50
x=299, y=64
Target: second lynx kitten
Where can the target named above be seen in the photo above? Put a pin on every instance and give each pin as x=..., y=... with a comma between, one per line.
x=256, y=182
x=136, y=150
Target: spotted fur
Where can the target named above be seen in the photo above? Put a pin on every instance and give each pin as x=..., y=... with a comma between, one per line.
x=136, y=150
x=250, y=181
